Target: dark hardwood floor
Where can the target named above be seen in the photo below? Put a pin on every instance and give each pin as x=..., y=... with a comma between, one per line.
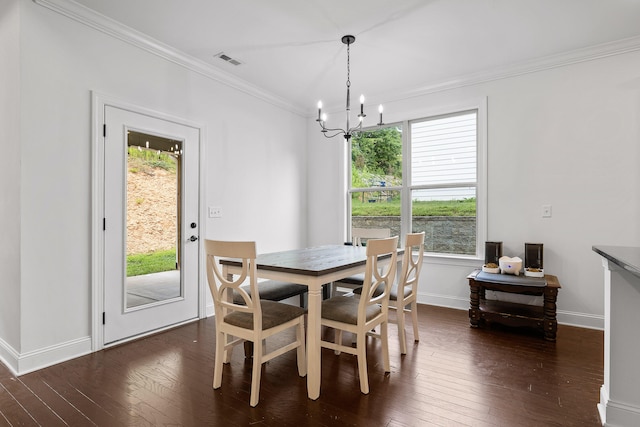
x=454, y=376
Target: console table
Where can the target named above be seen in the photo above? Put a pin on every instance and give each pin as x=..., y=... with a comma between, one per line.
x=510, y=313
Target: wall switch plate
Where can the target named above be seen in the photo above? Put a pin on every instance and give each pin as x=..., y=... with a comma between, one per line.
x=546, y=211
x=215, y=212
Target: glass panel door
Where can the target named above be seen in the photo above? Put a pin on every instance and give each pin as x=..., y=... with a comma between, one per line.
x=151, y=216
x=153, y=198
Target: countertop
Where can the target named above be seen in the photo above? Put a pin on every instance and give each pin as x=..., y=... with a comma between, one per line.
x=623, y=256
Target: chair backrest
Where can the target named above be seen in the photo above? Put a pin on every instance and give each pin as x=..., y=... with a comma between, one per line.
x=411, y=262
x=377, y=275
x=357, y=234
x=222, y=288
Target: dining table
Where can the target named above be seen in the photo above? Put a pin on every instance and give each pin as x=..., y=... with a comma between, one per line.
x=312, y=267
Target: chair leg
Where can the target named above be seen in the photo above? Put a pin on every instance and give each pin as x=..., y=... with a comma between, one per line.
x=227, y=353
x=218, y=363
x=338, y=340
x=401, y=333
x=248, y=349
x=384, y=335
x=302, y=359
x=255, y=376
x=414, y=319
x=362, y=362
x=332, y=290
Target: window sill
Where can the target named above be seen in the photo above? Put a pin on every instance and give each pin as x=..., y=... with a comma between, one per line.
x=448, y=259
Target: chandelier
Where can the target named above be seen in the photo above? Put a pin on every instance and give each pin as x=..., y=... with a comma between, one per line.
x=348, y=131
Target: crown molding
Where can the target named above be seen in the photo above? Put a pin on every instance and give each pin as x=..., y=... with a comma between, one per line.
x=564, y=59
x=591, y=53
x=129, y=35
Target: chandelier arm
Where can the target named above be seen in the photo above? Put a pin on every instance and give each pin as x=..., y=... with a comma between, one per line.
x=325, y=129
x=355, y=128
x=338, y=132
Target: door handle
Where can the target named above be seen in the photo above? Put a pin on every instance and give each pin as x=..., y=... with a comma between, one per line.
x=193, y=238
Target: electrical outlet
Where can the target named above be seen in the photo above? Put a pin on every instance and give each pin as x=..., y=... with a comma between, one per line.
x=215, y=212
x=546, y=211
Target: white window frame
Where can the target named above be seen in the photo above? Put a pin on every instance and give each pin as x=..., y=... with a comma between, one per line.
x=479, y=105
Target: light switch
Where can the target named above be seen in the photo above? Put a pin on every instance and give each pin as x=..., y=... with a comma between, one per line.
x=215, y=212
x=546, y=211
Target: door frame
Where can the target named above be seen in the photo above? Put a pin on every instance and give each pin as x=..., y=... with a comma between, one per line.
x=98, y=103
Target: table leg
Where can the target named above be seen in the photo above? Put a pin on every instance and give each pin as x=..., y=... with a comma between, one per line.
x=474, y=310
x=313, y=342
x=550, y=322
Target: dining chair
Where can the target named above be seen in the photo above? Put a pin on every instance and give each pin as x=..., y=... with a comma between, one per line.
x=359, y=237
x=253, y=320
x=405, y=293
x=361, y=315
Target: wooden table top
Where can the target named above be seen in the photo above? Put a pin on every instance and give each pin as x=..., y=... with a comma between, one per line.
x=316, y=261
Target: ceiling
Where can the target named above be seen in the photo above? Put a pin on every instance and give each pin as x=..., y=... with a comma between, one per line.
x=292, y=49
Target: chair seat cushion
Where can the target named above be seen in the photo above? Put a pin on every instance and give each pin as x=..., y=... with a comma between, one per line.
x=273, y=314
x=393, y=296
x=345, y=310
x=356, y=279
x=272, y=290
x=377, y=292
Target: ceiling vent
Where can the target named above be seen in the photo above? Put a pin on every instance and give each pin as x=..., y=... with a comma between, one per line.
x=228, y=59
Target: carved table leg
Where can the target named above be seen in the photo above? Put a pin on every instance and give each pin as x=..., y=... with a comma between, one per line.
x=474, y=310
x=550, y=322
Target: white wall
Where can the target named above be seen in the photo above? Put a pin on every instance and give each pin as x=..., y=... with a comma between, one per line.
x=9, y=176
x=568, y=137
x=255, y=159
x=576, y=127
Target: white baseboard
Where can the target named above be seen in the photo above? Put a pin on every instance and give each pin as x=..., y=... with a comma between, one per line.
x=443, y=301
x=617, y=414
x=9, y=357
x=570, y=318
x=581, y=320
x=24, y=363
x=209, y=310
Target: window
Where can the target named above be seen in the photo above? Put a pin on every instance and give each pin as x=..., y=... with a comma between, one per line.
x=441, y=191
x=444, y=181
x=376, y=179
